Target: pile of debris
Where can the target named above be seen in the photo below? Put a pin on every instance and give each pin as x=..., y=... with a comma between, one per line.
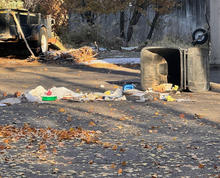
x=164, y=92
x=40, y=95
x=83, y=54
x=167, y=92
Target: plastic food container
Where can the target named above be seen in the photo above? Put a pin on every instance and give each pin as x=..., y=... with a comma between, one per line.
x=49, y=98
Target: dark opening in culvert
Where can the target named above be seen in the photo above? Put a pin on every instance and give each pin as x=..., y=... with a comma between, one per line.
x=172, y=57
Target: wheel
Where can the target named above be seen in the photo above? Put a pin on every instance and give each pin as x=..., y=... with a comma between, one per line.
x=43, y=40
x=41, y=45
x=200, y=36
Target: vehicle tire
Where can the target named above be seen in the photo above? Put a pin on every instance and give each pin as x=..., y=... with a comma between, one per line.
x=42, y=42
x=200, y=36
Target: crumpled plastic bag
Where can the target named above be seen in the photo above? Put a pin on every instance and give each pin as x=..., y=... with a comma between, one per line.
x=62, y=92
x=35, y=94
x=10, y=101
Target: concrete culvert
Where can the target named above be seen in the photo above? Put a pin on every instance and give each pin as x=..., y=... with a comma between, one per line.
x=187, y=68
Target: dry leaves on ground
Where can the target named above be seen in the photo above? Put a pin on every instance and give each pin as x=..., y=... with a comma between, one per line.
x=11, y=134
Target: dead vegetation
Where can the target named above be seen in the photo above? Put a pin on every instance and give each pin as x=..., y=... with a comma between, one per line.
x=83, y=54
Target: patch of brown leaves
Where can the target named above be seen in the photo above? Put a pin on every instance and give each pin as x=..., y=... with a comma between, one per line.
x=10, y=134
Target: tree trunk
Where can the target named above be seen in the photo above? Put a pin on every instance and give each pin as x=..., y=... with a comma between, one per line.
x=153, y=25
x=134, y=20
x=122, y=24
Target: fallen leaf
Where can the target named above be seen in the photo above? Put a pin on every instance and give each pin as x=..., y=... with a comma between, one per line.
x=54, y=150
x=119, y=126
x=43, y=147
x=113, y=166
x=154, y=176
x=71, y=129
x=17, y=94
x=159, y=146
x=106, y=145
x=132, y=107
x=61, y=144
x=156, y=113
x=201, y=166
x=6, y=141
x=91, y=162
x=69, y=119
x=61, y=110
x=122, y=150
x=2, y=147
x=122, y=118
x=124, y=163
x=120, y=171
x=91, y=123
x=182, y=116
x=115, y=147
x=147, y=146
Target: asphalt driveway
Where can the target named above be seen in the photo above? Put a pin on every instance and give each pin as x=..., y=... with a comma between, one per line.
x=151, y=139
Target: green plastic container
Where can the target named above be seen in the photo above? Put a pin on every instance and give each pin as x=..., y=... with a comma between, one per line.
x=49, y=98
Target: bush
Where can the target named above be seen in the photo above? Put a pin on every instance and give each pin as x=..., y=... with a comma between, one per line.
x=88, y=35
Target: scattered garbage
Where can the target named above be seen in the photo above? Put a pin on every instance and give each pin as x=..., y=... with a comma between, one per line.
x=167, y=92
x=36, y=94
x=163, y=87
x=175, y=88
x=40, y=94
x=49, y=98
x=127, y=92
x=128, y=87
x=163, y=96
x=62, y=92
x=10, y=101
x=184, y=100
x=141, y=99
x=2, y=105
x=170, y=98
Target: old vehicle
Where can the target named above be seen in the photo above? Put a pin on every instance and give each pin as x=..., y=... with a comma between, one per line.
x=34, y=29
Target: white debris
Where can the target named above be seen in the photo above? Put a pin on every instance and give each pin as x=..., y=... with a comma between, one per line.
x=10, y=101
x=2, y=105
x=35, y=94
x=117, y=93
x=62, y=92
x=141, y=100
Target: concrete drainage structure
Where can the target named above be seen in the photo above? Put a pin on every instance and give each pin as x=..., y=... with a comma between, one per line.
x=187, y=68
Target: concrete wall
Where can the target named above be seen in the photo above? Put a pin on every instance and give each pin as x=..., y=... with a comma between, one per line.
x=215, y=31
x=173, y=30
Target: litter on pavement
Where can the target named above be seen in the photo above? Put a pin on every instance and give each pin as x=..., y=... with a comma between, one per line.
x=10, y=101
x=128, y=92
x=167, y=92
